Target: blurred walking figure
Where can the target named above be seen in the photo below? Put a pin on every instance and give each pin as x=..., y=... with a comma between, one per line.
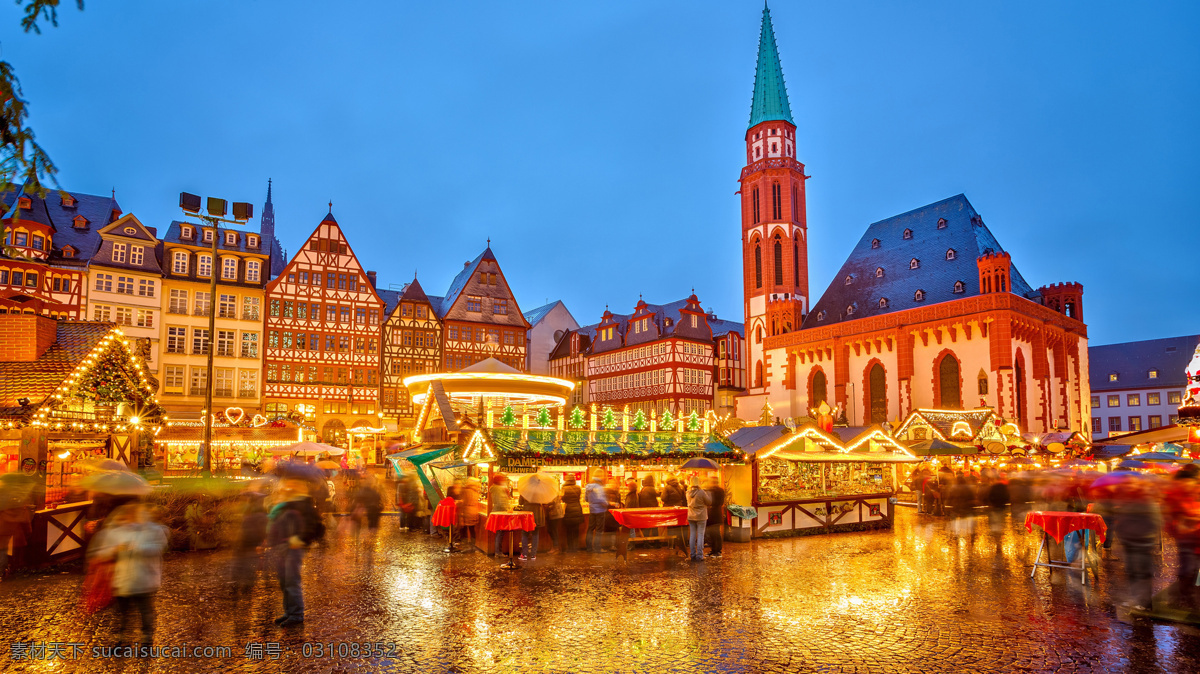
x=16, y=516
x=135, y=545
x=1182, y=501
x=468, y=511
x=555, y=511
x=716, y=517
x=406, y=497
x=997, y=498
x=246, y=554
x=572, y=512
x=597, y=512
x=529, y=539
x=367, y=509
x=698, y=501
x=1137, y=521
x=961, y=502
x=294, y=523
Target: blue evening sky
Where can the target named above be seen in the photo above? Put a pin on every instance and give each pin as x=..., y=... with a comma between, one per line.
x=598, y=144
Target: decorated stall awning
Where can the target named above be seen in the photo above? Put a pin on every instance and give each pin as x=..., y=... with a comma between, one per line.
x=549, y=447
x=810, y=443
x=267, y=436
x=936, y=447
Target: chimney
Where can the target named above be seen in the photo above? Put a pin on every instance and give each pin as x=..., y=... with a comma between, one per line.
x=371, y=278
x=25, y=337
x=466, y=264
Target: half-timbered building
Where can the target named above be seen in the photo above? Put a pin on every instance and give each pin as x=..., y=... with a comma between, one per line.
x=323, y=327
x=481, y=319
x=659, y=358
x=47, y=242
x=412, y=344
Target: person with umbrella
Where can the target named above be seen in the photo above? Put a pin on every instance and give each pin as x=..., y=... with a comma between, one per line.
x=535, y=492
x=16, y=515
x=134, y=544
x=292, y=526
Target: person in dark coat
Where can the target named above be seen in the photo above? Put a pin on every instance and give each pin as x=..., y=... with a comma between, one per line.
x=961, y=502
x=1137, y=522
x=673, y=495
x=572, y=513
x=716, y=517
x=285, y=535
x=997, y=498
x=630, y=500
x=253, y=534
x=648, y=496
x=368, y=505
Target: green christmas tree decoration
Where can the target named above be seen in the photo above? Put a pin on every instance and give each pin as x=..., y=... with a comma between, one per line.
x=543, y=417
x=693, y=422
x=576, y=420
x=639, y=421
x=610, y=419
x=508, y=417
x=668, y=422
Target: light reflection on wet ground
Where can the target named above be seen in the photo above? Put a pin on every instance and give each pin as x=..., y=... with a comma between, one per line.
x=912, y=599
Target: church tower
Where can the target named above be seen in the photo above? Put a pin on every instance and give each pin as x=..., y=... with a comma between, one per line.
x=774, y=224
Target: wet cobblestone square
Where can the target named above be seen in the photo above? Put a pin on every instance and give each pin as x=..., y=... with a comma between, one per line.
x=914, y=599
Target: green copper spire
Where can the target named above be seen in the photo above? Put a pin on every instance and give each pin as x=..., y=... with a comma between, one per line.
x=770, y=100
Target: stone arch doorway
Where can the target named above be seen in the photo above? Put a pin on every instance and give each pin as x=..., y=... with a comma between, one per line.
x=333, y=432
x=818, y=389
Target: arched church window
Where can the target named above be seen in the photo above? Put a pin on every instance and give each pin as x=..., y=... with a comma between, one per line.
x=778, y=261
x=757, y=265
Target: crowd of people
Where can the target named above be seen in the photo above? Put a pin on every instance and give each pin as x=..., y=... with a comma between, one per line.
x=1138, y=508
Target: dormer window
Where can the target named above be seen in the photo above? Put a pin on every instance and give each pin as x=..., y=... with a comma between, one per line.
x=919, y=296
x=1112, y=377
x=68, y=201
x=68, y=251
x=820, y=315
x=79, y=222
x=849, y=279
x=851, y=309
x=252, y=241
x=874, y=243
x=25, y=203
x=950, y=254
x=883, y=303
x=230, y=238
x=914, y=264
x=879, y=272
x=959, y=287
x=130, y=230
x=941, y=223
x=186, y=232
x=908, y=233
x=208, y=236
x=1152, y=374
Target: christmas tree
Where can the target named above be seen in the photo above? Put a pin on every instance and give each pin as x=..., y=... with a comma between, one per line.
x=508, y=418
x=639, y=421
x=668, y=422
x=693, y=422
x=543, y=417
x=610, y=419
x=577, y=420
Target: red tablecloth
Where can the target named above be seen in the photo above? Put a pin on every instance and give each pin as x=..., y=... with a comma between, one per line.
x=648, y=518
x=518, y=521
x=446, y=514
x=1059, y=524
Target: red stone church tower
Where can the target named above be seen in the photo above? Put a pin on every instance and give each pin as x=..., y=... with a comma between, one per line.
x=774, y=225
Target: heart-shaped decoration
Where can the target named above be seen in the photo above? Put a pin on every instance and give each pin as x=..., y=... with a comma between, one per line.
x=233, y=415
x=258, y=420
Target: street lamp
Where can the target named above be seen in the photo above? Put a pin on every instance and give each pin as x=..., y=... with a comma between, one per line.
x=242, y=211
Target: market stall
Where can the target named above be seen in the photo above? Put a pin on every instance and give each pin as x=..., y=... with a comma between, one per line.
x=808, y=480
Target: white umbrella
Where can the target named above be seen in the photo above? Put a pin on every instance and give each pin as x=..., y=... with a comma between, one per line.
x=307, y=449
x=116, y=482
x=538, y=488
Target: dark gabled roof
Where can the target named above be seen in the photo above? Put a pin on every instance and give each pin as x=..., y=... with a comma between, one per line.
x=1132, y=362
x=460, y=281
x=562, y=348
x=721, y=327
x=390, y=298
x=172, y=236
x=37, y=379
x=413, y=292
x=964, y=233
x=534, y=316
x=96, y=209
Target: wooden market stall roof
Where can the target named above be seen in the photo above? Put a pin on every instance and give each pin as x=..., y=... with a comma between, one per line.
x=810, y=443
x=950, y=425
x=263, y=435
x=573, y=447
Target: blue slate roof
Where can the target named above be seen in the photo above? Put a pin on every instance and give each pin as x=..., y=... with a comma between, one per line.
x=963, y=232
x=536, y=315
x=721, y=326
x=460, y=281
x=770, y=99
x=172, y=236
x=390, y=299
x=1133, y=361
x=50, y=210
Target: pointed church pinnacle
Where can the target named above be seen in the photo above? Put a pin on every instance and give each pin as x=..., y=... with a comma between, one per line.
x=268, y=190
x=770, y=100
